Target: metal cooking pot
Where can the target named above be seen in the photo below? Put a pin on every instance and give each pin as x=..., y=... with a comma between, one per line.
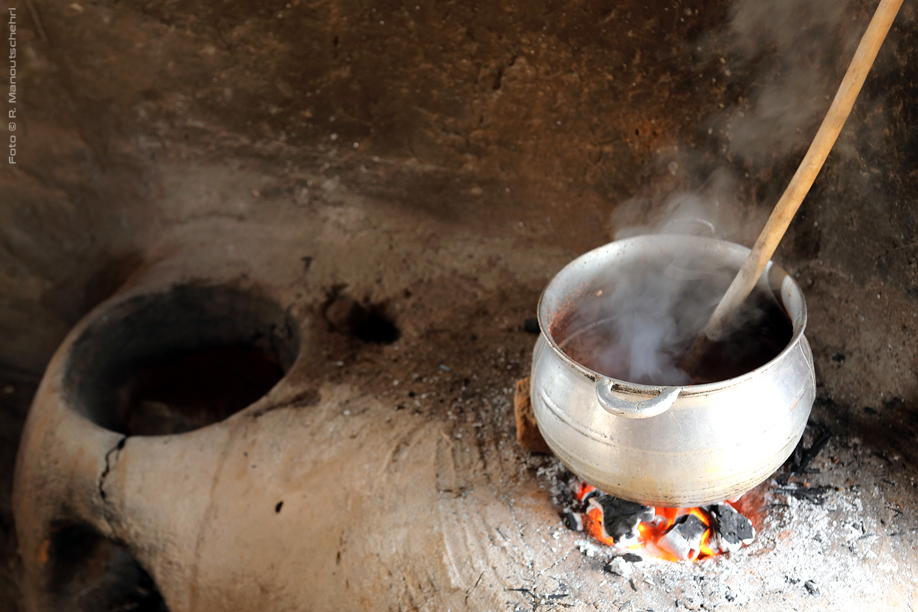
x=673, y=446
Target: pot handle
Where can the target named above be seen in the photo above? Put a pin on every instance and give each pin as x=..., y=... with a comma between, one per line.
x=666, y=397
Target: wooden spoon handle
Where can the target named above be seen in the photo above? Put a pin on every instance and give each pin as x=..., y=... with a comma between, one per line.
x=800, y=184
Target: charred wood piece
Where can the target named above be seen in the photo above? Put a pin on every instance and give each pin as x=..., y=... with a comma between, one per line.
x=572, y=520
x=731, y=530
x=620, y=518
x=803, y=457
x=811, y=494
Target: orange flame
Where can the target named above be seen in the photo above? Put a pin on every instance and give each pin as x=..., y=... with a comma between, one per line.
x=592, y=524
x=650, y=532
x=583, y=490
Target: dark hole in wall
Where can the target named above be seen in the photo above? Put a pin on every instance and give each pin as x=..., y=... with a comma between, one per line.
x=372, y=325
x=366, y=322
x=180, y=360
x=90, y=573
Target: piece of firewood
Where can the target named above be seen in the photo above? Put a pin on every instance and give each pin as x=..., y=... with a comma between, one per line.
x=527, y=431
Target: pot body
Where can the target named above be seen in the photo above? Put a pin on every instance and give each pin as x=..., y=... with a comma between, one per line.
x=667, y=446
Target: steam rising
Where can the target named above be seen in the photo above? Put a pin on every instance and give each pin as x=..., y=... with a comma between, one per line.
x=792, y=54
x=639, y=326
x=784, y=60
x=807, y=46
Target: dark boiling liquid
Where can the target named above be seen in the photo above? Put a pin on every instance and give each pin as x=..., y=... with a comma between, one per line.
x=766, y=332
x=747, y=348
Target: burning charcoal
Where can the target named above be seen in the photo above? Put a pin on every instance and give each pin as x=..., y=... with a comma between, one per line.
x=585, y=492
x=732, y=529
x=683, y=540
x=632, y=558
x=620, y=518
x=572, y=520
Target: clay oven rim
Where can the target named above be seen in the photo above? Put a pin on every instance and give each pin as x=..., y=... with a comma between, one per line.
x=775, y=280
x=178, y=317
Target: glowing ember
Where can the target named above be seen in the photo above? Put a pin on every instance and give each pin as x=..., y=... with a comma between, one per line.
x=674, y=534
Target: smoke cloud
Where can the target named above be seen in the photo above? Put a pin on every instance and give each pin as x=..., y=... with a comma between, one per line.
x=800, y=50
x=639, y=326
x=792, y=55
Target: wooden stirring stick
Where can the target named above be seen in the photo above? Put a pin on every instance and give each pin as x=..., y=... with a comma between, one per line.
x=800, y=184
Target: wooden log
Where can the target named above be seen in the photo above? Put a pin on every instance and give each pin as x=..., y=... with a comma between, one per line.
x=527, y=431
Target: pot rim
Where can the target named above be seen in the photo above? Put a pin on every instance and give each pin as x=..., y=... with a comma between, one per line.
x=669, y=241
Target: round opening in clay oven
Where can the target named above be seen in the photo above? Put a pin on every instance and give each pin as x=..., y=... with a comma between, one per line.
x=180, y=360
x=91, y=573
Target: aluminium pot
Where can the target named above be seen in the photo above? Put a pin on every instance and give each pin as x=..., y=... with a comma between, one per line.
x=673, y=446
